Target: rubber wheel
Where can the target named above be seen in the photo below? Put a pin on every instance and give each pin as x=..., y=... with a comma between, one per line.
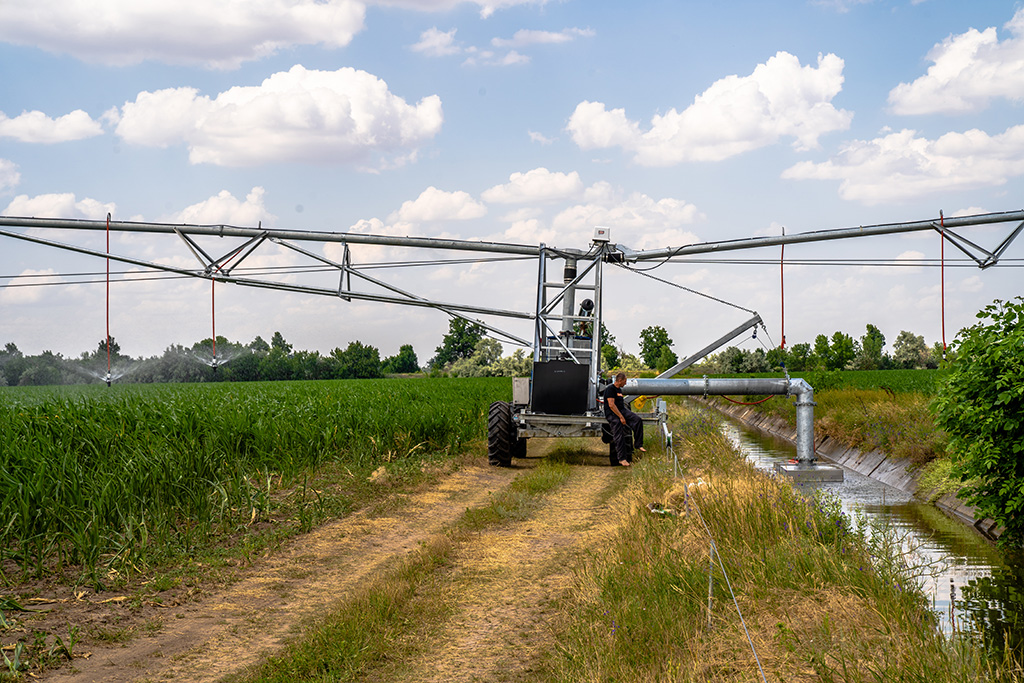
x=500, y=431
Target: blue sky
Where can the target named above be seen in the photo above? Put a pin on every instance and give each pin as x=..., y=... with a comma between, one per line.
x=512, y=120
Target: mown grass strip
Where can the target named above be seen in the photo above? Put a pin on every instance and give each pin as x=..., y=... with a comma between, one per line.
x=823, y=599
x=396, y=617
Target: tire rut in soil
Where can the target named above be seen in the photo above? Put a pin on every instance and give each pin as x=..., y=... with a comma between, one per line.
x=505, y=584
x=234, y=628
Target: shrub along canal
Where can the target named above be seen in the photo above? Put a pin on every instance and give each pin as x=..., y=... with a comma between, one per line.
x=974, y=586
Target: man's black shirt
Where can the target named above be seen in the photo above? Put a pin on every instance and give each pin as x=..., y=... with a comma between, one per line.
x=613, y=393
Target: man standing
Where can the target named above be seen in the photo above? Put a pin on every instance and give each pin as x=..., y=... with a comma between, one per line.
x=623, y=423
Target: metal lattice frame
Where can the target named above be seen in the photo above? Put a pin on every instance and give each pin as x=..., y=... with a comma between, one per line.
x=222, y=268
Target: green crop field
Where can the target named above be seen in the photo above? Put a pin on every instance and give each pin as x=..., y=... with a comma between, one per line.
x=96, y=476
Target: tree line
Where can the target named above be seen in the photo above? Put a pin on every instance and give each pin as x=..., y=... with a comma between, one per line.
x=258, y=360
x=838, y=352
x=464, y=351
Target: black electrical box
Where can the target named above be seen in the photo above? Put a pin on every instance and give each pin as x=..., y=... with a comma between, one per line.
x=560, y=387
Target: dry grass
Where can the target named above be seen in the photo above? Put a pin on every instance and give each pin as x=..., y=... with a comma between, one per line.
x=820, y=600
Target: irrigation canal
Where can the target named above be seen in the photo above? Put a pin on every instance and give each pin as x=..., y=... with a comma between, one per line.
x=973, y=586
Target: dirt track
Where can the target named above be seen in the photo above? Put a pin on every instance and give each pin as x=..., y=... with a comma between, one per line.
x=500, y=589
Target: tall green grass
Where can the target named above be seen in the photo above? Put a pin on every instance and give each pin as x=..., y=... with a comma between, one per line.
x=897, y=381
x=872, y=419
x=94, y=477
x=822, y=597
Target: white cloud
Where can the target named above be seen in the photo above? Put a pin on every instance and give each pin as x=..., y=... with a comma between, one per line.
x=296, y=116
x=967, y=71
x=59, y=206
x=35, y=126
x=512, y=58
x=478, y=57
x=593, y=127
x=540, y=138
x=9, y=176
x=635, y=219
x=530, y=231
x=538, y=185
x=225, y=209
x=215, y=33
x=437, y=205
x=27, y=287
x=844, y=6
x=437, y=43
x=780, y=98
x=900, y=166
x=397, y=227
x=525, y=37
x=969, y=211
x=972, y=284
x=909, y=262
x=374, y=226
x=487, y=7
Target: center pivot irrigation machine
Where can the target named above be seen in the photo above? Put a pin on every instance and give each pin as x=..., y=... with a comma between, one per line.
x=561, y=398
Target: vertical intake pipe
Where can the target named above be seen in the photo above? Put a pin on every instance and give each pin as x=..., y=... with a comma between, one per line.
x=706, y=386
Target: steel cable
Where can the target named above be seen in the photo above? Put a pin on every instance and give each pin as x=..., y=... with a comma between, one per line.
x=684, y=288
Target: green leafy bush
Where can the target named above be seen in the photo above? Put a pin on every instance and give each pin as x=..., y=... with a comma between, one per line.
x=981, y=408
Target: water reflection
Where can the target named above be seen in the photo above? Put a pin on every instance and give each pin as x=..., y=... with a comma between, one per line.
x=972, y=585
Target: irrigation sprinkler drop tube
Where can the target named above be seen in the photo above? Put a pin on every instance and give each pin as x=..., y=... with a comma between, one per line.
x=705, y=386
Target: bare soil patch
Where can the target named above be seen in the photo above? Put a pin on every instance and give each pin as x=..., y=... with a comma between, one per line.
x=507, y=583
x=227, y=630
x=502, y=589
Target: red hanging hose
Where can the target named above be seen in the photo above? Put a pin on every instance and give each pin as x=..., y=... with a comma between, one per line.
x=782, y=290
x=108, y=299
x=942, y=269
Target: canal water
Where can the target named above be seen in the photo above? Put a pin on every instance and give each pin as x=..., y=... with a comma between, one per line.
x=973, y=586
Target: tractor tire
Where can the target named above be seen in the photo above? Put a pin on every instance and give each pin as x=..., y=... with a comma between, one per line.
x=500, y=432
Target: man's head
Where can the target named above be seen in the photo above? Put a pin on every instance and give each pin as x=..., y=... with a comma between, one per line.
x=620, y=380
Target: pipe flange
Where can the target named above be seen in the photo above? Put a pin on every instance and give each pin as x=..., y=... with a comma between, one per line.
x=799, y=404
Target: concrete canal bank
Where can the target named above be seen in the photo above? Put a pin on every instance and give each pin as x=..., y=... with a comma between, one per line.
x=874, y=464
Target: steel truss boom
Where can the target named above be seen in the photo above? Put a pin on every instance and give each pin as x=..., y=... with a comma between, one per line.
x=944, y=226
x=293, y=235
x=217, y=269
x=220, y=269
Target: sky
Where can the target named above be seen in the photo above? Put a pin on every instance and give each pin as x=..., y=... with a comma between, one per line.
x=521, y=121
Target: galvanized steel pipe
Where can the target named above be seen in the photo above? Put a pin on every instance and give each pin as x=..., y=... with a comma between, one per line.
x=707, y=386
x=822, y=235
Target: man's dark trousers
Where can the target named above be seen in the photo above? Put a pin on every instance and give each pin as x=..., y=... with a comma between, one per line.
x=626, y=436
